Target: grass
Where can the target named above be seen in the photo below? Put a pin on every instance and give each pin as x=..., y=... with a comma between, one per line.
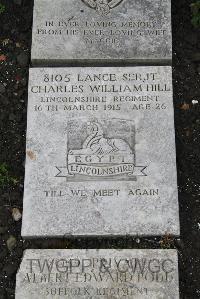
x=5, y=178
x=195, y=8
x=2, y=8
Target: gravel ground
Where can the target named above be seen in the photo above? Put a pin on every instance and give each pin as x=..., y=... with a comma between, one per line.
x=15, y=43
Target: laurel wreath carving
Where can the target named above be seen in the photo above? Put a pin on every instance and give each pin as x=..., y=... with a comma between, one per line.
x=102, y=6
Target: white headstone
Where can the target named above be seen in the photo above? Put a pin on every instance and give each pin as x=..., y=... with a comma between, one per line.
x=101, y=31
x=100, y=153
x=94, y=274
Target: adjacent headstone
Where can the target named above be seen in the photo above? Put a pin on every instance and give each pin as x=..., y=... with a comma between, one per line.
x=101, y=31
x=95, y=274
x=100, y=153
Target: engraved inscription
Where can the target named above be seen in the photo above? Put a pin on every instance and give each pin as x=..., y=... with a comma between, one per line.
x=103, y=33
x=98, y=276
x=95, y=274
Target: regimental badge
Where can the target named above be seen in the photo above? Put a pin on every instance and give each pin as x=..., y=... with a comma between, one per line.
x=103, y=7
x=100, y=150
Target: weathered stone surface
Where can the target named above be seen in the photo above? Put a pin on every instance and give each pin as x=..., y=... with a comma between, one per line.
x=100, y=153
x=86, y=31
x=95, y=274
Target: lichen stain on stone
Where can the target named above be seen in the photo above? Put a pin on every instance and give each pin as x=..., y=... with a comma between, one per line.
x=98, y=214
x=31, y=155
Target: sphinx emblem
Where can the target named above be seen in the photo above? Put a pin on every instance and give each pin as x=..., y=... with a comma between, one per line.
x=95, y=151
x=97, y=144
x=103, y=7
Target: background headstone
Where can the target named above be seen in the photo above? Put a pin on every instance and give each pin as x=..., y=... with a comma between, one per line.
x=86, y=31
x=95, y=274
x=100, y=153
